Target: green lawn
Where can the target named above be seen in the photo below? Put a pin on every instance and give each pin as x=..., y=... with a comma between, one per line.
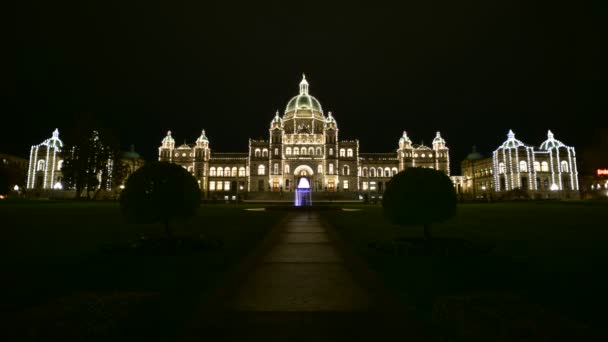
x=58, y=282
x=551, y=255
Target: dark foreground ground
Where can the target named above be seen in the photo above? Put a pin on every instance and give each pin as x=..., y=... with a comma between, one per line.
x=59, y=285
x=536, y=270
x=533, y=270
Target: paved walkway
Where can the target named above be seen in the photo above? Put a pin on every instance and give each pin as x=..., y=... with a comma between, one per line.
x=301, y=290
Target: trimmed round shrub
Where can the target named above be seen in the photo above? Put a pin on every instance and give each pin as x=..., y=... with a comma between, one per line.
x=159, y=192
x=419, y=196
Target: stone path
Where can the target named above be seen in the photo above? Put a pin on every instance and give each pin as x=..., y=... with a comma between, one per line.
x=303, y=271
x=300, y=290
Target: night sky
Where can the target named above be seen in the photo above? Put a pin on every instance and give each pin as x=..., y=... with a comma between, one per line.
x=472, y=70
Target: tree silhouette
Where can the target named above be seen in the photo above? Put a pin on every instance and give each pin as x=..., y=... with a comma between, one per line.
x=159, y=192
x=419, y=196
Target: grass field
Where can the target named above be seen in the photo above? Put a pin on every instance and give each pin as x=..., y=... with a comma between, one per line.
x=58, y=282
x=549, y=256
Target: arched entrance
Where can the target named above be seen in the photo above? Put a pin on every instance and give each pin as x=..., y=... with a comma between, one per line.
x=303, y=195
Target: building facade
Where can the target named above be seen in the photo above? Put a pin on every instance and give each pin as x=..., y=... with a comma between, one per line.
x=303, y=149
x=44, y=170
x=549, y=171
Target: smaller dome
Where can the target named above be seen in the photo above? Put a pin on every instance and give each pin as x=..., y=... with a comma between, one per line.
x=202, y=138
x=551, y=142
x=438, y=139
x=277, y=119
x=405, y=139
x=131, y=154
x=184, y=147
x=474, y=155
x=511, y=141
x=54, y=141
x=330, y=118
x=168, y=140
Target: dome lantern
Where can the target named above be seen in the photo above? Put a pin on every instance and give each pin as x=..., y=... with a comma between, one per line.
x=304, y=86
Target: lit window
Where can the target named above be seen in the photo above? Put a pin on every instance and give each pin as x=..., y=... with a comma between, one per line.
x=286, y=169
x=537, y=166
x=372, y=172
x=261, y=170
x=288, y=151
x=212, y=173
x=264, y=153
x=364, y=186
x=183, y=154
x=257, y=152
x=331, y=169
x=241, y=172
x=234, y=171
x=296, y=151
x=349, y=152
x=387, y=172
x=523, y=166
x=212, y=186
x=342, y=152
x=320, y=169
x=544, y=166
x=345, y=185
x=564, y=166
x=219, y=185
x=303, y=151
x=501, y=168
x=40, y=165
x=276, y=169
x=276, y=151
x=226, y=186
x=59, y=165
x=331, y=151
x=380, y=172
x=422, y=155
x=220, y=172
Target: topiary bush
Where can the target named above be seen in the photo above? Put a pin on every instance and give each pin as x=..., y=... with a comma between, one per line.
x=419, y=196
x=159, y=192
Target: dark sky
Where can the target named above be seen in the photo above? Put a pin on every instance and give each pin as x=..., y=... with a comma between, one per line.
x=472, y=70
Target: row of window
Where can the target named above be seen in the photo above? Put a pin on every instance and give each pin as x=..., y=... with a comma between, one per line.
x=423, y=155
x=227, y=171
x=379, y=172
x=538, y=167
x=42, y=164
x=306, y=151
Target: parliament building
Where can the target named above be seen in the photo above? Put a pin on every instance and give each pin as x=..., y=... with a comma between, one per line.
x=303, y=150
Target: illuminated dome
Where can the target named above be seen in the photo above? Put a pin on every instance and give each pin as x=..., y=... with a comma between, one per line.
x=474, y=155
x=405, y=139
x=511, y=141
x=304, y=101
x=438, y=139
x=54, y=141
x=551, y=142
